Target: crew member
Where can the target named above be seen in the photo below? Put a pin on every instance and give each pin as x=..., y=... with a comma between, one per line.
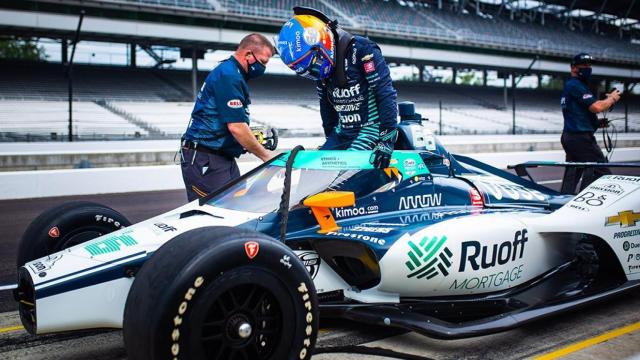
x=579, y=108
x=218, y=131
x=357, y=99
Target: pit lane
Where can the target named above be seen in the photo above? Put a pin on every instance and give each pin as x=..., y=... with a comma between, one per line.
x=532, y=340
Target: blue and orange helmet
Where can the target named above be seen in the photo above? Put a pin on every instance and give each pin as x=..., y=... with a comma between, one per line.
x=307, y=46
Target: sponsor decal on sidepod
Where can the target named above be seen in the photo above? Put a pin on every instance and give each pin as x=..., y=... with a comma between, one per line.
x=430, y=258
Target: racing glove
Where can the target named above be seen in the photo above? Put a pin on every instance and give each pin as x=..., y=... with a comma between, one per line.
x=381, y=155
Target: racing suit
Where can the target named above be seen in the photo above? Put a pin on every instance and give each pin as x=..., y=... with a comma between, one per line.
x=358, y=115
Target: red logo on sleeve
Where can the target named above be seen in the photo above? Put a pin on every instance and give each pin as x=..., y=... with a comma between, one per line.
x=234, y=104
x=369, y=67
x=251, y=248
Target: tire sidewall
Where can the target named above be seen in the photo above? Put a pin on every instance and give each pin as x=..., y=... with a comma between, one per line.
x=70, y=220
x=186, y=296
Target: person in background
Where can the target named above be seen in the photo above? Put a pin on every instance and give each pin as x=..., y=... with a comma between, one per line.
x=579, y=109
x=218, y=131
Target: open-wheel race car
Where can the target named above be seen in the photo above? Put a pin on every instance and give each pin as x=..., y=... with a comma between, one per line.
x=440, y=244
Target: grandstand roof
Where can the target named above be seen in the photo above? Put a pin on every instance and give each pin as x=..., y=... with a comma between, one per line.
x=606, y=9
x=453, y=26
x=620, y=8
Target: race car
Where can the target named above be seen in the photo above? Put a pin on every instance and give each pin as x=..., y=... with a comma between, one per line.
x=437, y=243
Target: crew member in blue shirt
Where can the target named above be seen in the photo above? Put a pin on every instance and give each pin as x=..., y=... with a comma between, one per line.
x=579, y=109
x=218, y=131
x=357, y=98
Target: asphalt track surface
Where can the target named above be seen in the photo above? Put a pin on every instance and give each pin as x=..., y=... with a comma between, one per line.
x=343, y=340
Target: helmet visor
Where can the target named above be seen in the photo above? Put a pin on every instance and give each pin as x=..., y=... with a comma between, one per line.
x=317, y=64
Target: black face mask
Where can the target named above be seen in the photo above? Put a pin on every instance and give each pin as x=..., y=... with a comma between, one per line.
x=584, y=74
x=256, y=69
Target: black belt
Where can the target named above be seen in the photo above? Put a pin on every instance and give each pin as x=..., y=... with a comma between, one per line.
x=579, y=132
x=188, y=145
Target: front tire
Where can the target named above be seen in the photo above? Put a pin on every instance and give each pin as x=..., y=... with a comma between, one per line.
x=66, y=225
x=212, y=293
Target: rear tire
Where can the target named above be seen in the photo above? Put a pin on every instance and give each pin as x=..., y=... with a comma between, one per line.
x=203, y=296
x=67, y=225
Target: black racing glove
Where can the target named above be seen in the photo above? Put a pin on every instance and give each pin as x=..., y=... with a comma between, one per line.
x=381, y=155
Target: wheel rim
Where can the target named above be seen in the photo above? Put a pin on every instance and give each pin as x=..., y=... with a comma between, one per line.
x=79, y=238
x=243, y=322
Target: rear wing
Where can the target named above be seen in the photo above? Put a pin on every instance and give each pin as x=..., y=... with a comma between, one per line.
x=569, y=180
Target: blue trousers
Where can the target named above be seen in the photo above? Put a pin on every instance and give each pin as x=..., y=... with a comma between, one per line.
x=204, y=173
x=336, y=142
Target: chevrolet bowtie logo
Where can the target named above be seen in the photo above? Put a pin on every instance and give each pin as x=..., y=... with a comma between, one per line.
x=624, y=218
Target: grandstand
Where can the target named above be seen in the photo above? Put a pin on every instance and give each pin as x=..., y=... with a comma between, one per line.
x=111, y=109
x=488, y=24
x=47, y=120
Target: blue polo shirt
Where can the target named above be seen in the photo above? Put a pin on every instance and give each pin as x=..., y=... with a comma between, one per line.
x=223, y=99
x=575, y=101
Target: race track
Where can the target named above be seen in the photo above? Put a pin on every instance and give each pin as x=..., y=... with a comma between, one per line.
x=617, y=320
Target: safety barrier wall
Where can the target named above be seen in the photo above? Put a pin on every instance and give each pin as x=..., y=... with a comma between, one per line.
x=48, y=183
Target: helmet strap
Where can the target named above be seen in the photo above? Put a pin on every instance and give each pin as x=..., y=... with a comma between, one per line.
x=343, y=43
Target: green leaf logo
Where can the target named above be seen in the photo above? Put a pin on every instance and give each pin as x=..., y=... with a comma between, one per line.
x=428, y=258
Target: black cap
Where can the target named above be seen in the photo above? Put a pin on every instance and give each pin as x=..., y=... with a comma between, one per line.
x=582, y=59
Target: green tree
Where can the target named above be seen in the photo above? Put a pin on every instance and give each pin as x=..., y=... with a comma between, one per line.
x=467, y=78
x=21, y=49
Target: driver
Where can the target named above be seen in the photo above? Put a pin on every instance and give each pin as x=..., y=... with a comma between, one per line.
x=357, y=99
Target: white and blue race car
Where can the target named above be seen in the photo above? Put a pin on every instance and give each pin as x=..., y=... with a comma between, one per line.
x=440, y=244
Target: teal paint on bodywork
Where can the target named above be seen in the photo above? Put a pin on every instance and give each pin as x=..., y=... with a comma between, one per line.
x=409, y=163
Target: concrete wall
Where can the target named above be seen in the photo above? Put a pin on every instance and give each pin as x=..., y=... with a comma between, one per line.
x=34, y=184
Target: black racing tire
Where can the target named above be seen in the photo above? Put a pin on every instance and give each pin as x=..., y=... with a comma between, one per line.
x=66, y=225
x=193, y=297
